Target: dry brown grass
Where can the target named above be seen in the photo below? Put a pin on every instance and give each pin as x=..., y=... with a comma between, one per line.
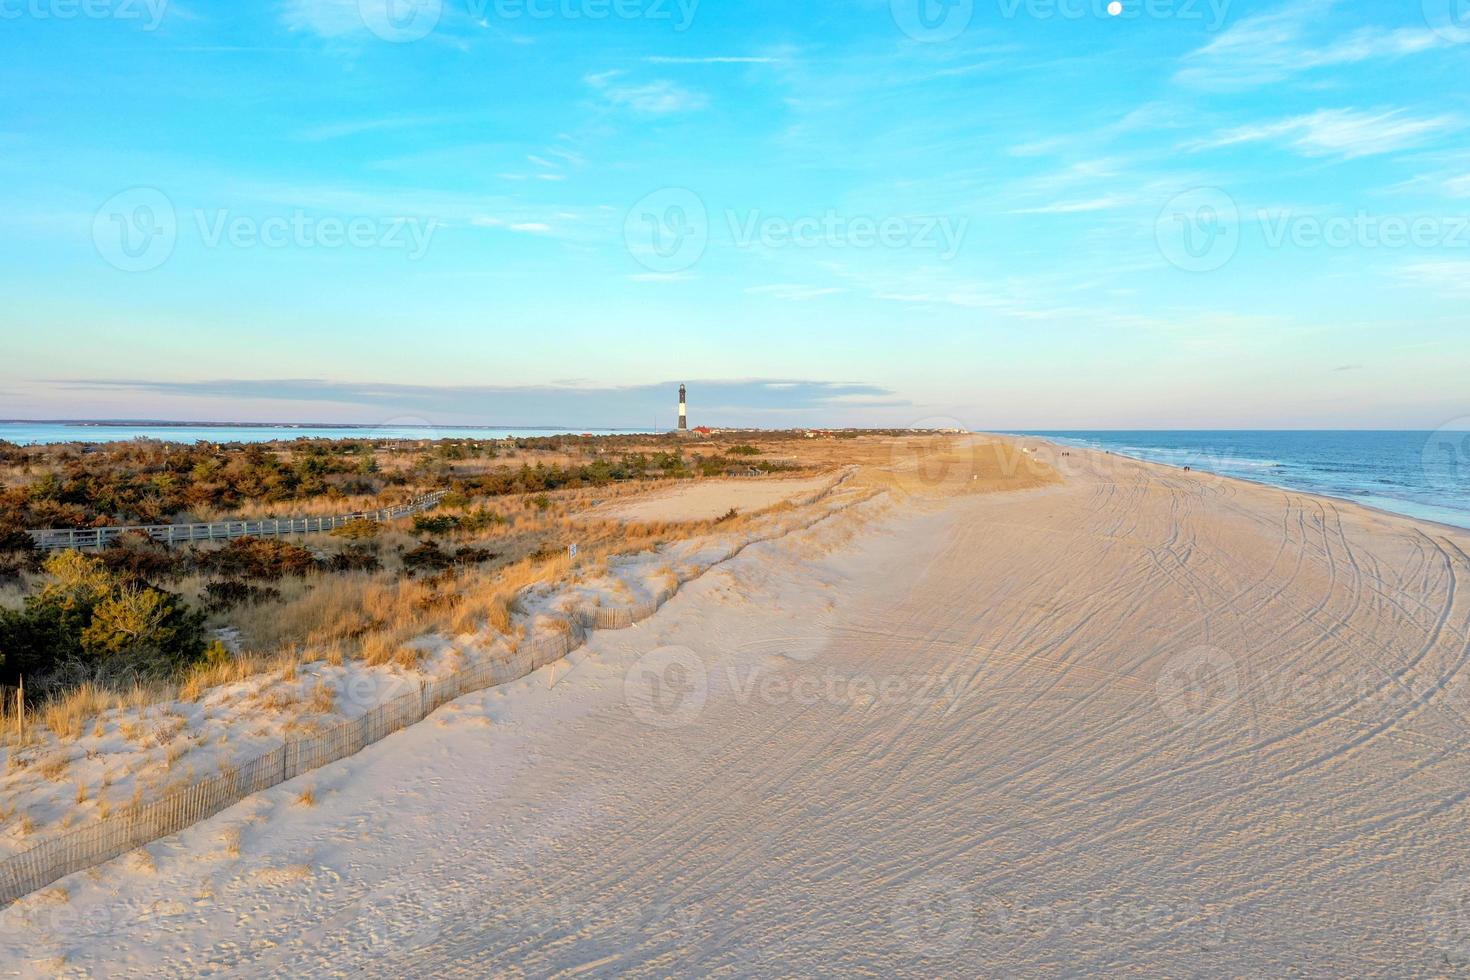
x=307, y=797
x=373, y=615
x=323, y=699
x=53, y=767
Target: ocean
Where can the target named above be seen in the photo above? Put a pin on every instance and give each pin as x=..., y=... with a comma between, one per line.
x=37, y=433
x=1418, y=474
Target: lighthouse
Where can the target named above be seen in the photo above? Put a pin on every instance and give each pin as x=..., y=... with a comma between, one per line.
x=683, y=412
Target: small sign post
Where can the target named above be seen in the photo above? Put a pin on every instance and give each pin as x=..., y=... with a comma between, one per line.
x=572, y=552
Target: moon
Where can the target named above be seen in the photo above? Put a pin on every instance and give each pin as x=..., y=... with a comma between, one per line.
x=1115, y=8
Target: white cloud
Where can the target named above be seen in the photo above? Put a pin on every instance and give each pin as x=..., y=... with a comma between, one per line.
x=1445, y=277
x=1336, y=132
x=328, y=18
x=793, y=292
x=1105, y=203
x=656, y=98
x=712, y=60
x=1273, y=47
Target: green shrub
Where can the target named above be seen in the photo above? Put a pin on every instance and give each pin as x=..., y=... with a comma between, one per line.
x=136, y=555
x=479, y=520
x=220, y=596
x=434, y=524
x=426, y=557
x=354, y=560
x=88, y=623
x=259, y=558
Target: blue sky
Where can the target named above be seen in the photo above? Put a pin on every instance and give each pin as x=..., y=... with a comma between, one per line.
x=1008, y=213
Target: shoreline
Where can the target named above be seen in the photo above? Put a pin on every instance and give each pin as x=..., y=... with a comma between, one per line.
x=1381, y=511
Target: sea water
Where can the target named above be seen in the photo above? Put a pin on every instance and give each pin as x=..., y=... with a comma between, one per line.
x=1418, y=474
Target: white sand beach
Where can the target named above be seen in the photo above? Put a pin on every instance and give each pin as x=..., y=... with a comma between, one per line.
x=1142, y=721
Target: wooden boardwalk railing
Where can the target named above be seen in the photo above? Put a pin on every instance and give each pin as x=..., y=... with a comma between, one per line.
x=57, y=539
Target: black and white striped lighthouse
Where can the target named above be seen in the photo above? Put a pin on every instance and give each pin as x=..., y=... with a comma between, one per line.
x=683, y=411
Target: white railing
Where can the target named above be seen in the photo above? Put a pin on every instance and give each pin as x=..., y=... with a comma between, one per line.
x=57, y=539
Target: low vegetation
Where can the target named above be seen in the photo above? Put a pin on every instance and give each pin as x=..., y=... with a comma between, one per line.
x=139, y=614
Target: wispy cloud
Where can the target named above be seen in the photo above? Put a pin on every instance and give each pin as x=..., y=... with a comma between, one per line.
x=1276, y=46
x=1444, y=277
x=793, y=292
x=656, y=98
x=711, y=60
x=357, y=127
x=1336, y=132
x=1077, y=207
x=326, y=18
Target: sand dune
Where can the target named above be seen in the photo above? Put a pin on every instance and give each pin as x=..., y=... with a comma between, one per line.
x=1143, y=720
x=708, y=499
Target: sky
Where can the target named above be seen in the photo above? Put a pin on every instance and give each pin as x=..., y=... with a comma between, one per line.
x=997, y=214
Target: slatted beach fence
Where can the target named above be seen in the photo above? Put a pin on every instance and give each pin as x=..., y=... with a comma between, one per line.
x=71, y=538
x=132, y=827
